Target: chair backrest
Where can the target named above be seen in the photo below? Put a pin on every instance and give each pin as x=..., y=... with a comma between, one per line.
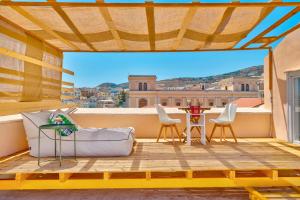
x=229, y=113
x=163, y=116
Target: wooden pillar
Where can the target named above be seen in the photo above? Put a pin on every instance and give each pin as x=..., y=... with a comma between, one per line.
x=270, y=69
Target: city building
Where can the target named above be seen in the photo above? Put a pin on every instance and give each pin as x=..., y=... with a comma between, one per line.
x=108, y=103
x=143, y=92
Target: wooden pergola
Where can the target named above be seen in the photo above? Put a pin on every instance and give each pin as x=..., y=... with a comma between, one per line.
x=145, y=27
x=50, y=28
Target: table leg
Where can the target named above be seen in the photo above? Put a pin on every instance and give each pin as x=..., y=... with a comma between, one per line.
x=55, y=143
x=39, y=147
x=59, y=149
x=74, y=145
x=203, y=131
x=188, y=127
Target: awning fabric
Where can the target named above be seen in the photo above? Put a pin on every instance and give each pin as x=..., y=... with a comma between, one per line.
x=98, y=28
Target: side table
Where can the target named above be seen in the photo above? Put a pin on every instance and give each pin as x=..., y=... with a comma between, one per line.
x=55, y=127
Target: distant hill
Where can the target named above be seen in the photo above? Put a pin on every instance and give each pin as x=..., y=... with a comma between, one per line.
x=182, y=81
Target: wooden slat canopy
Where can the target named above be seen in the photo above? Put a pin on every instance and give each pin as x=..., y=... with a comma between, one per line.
x=139, y=27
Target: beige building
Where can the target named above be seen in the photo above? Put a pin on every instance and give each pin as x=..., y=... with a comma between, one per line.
x=143, y=92
x=248, y=84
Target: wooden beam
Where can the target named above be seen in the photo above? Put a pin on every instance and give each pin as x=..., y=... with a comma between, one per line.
x=148, y=175
x=20, y=177
x=200, y=50
x=257, y=195
x=224, y=21
x=22, y=57
x=151, y=25
x=43, y=26
x=63, y=177
x=67, y=83
x=270, y=69
x=189, y=174
x=66, y=97
x=230, y=174
x=265, y=12
x=143, y=5
x=111, y=25
x=69, y=90
x=273, y=26
x=21, y=37
x=273, y=174
x=282, y=35
x=72, y=26
x=106, y=175
x=184, y=25
x=266, y=39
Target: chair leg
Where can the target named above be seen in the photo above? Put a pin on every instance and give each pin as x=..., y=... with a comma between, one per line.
x=172, y=133
x=213, y=131
x=230, y=127
x=221, y=136
x=179, y=135
x=198, y=129
x=160, y=131
x=224, y=133
x=165, y=134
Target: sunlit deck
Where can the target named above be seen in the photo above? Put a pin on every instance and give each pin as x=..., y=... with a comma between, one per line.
x=251, y=162
x=248, y=154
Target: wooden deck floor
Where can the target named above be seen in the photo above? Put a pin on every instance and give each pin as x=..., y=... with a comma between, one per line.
x=247, y=154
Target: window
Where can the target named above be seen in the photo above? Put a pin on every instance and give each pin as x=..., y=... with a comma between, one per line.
x=243, y=87
x=202, y=87
x=226, y=88
x=211, y=103
x=145, y=86
x=164, y=102
x=142, y=103
x=178, y=102
x=247, y=87
x=224, y=103
x=140, y=86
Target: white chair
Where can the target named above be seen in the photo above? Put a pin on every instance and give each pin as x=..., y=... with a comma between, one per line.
x=225, y=120
x=167, y=122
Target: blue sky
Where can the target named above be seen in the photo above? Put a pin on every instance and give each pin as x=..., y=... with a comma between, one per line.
x=92, y=69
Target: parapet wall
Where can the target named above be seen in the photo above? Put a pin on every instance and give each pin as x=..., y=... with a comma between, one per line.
x=249, y=123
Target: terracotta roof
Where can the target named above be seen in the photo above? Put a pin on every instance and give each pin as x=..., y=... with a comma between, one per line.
x=249, y=102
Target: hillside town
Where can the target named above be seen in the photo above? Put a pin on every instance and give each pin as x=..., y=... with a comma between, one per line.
x=245, y=87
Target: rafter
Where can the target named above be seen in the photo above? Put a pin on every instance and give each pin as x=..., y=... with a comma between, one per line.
x=143, y=5
x=264, y=14
x=200, y=50
x=111, y=25
x=224, y=21
x=272, y=27
x=184, y=25
x=151, y=25
x=282, y=35
x=20, y=37
x=72, y=26
x=43, y=26
x=13, y=54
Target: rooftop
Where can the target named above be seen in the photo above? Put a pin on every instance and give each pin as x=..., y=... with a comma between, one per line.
x=249, y=102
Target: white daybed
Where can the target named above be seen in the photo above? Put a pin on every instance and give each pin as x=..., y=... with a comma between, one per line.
x=89, y=141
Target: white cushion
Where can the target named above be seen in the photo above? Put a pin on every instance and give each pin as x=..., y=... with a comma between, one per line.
x=89, y=142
